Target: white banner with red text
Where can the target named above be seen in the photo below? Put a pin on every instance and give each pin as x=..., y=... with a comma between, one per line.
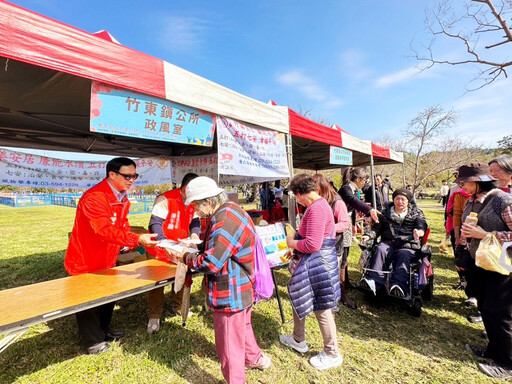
x=27, y=170
x=248, y=150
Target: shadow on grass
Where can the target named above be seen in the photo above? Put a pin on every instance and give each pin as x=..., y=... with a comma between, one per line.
x=58, y=341
x=175, y=347
x=40, y=347
x=178, y=347
x=440, y=331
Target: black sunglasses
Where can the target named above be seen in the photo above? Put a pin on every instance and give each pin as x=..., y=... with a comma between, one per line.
x=128, y=177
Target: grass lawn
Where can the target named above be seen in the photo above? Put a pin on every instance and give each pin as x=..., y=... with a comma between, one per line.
x=380, y=343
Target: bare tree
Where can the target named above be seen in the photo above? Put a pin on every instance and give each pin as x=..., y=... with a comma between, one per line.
x=306, y=112
x=430, y=153
x=421, y=134
x=482, y=31
x=451, y=152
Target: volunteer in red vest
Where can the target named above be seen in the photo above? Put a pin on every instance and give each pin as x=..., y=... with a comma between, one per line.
x=101, y=228
x=170, y=219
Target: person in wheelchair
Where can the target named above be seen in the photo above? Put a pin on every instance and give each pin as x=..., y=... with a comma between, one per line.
x=400, y=229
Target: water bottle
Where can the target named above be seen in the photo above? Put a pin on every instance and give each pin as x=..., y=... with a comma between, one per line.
x=471, y=219
x=416, y=281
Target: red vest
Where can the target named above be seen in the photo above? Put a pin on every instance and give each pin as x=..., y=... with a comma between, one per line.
x=177, y=223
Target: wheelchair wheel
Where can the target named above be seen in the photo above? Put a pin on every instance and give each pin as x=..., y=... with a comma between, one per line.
x=416, y=307
x=428, y=293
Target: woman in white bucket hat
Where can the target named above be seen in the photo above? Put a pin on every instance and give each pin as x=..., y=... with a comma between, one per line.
x=226, y=258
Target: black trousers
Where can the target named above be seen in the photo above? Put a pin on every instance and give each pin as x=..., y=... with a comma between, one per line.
x=495, y=304
x=94, y=323
x=473, y=284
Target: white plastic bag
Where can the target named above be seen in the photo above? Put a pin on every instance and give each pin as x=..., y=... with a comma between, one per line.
x=179, y=279
x=505, y=261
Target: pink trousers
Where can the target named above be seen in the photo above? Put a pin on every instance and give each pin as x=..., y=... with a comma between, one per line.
x=234, y=338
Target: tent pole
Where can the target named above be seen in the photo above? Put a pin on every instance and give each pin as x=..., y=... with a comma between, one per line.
x=403, y=173
x=372, y=175
x=291, y=201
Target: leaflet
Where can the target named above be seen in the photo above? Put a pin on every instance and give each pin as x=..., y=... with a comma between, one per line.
x=175, y=246
x=190, y=241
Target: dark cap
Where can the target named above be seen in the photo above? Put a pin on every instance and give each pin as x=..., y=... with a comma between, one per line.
x=403, y=192
x=474, y=172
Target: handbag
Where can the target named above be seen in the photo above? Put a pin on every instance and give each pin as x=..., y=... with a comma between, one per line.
x=262, y=281
x=488, y=255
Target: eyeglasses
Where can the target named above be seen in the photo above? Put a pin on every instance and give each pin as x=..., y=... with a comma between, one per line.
x=128, y=177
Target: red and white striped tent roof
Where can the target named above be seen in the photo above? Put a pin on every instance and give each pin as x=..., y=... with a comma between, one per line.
x=311, y=143
x=381, y=155
x=47, y=69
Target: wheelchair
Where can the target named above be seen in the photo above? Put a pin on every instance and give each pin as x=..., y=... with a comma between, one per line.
x=417, y=294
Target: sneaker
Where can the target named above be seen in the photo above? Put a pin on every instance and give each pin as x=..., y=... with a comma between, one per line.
x=98, y=348
x=290, y=342
x=496, y=371
x=153, y=326
x=113, y=335
x=471, y=302
x=477, y=351
x=262, y=363
x=476, y=318
x=396, y=291
x=368, y=284
x=322, y=361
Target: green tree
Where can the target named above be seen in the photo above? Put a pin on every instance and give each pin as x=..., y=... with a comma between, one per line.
x=506, y=144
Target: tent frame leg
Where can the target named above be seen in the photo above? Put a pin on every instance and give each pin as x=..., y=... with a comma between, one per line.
x=11, y=338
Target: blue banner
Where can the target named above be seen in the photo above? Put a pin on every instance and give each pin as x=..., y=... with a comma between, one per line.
x=125, y=113
x=340, y=156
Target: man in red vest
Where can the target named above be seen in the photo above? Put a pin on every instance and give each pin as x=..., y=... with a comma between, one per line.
x=170, y=219
x=101, y=228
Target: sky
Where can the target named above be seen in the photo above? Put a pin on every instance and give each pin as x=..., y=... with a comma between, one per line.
x=346, y=62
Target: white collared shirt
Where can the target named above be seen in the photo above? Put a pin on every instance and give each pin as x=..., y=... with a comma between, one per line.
x=120, y=195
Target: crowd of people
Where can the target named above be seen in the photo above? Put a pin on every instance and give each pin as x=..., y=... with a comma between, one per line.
x=318, y=260
x=483, y=191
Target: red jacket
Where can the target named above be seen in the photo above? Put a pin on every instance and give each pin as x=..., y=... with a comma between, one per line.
x=101, y=228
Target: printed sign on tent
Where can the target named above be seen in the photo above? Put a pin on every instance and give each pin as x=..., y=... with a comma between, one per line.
x=207, y=166
x=201, y=165
x=27, y=170
x=121, y=112
x=340, y=156
x=248, y=150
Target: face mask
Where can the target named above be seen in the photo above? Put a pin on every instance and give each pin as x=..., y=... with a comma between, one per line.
x=202, y=214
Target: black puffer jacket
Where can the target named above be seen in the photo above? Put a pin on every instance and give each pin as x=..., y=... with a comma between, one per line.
x=399, y=234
